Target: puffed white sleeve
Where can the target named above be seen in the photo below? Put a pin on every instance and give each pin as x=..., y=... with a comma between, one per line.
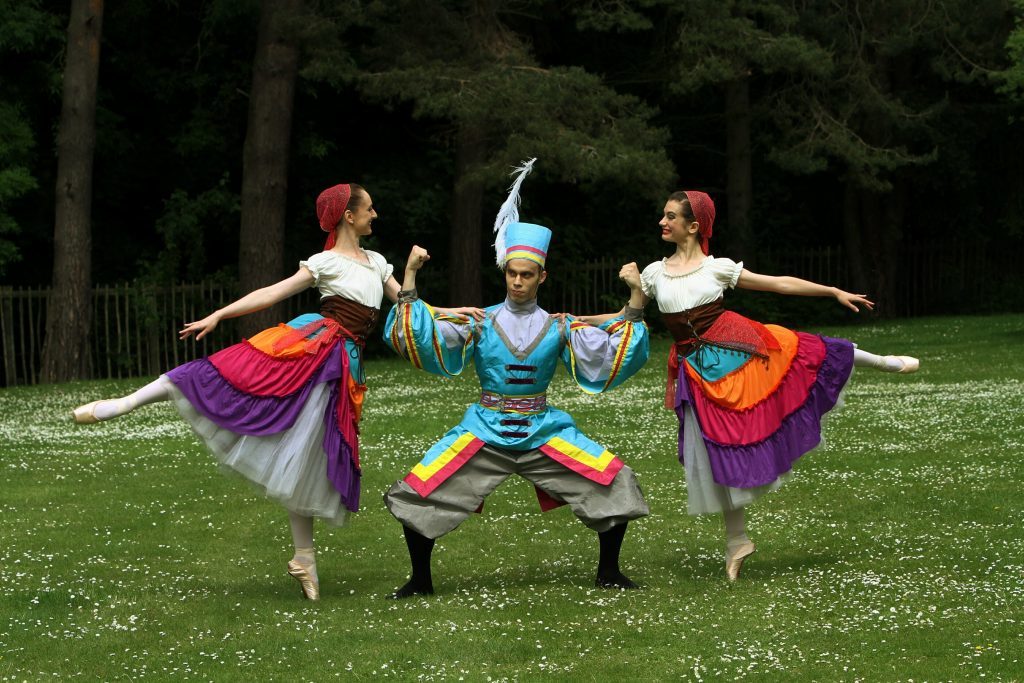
x=315, y=265
x=726, y=271
x=385, y=268
x=649, y=276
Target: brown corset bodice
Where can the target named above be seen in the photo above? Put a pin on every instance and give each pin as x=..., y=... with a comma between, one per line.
x=689, y=325
x=353, y=316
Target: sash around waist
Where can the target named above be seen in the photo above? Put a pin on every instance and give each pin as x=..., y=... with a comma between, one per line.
x=518, y=404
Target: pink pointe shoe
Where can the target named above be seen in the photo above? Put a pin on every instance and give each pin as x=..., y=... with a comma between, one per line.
x=734, y=560
x=910, y=364
x=86, y=415
x=310, y=586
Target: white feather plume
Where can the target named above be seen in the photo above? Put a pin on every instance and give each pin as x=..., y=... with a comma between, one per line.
x=509, y=211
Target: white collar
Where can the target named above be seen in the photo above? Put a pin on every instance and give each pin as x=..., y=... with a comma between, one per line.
x=520, y=309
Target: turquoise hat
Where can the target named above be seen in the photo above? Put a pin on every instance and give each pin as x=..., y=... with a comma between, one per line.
x=527, y=240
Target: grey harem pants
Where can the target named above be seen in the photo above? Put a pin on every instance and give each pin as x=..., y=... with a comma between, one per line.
x=598, y=506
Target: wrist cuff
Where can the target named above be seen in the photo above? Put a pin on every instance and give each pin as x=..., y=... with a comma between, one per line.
x=407, y=296
x=633, y=314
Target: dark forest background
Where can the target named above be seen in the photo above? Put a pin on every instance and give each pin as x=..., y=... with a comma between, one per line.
x=873, y=127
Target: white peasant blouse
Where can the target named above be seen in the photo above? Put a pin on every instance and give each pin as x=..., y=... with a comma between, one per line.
x=336, y=274
x=704, y=284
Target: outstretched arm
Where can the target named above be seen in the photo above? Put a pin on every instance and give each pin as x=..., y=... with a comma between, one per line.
x=795, y=286
x=253, y=301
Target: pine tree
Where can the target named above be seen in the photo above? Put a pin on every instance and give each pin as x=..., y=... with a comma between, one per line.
x=461, y=65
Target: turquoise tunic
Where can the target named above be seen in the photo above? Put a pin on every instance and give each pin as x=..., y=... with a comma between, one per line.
x=513, y=413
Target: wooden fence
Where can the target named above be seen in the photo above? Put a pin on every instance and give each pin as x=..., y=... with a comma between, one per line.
x=134, y=328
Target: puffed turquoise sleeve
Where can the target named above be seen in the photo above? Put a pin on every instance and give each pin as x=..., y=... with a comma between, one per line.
x=431, y=341
x=602, y=358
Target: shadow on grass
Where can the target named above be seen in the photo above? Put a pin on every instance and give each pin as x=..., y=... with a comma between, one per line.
x=766, y=566
x=761, y=566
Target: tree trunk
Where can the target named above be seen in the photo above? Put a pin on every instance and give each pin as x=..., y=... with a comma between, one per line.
x=464, y=284
x=68, y=312
x=739, y=190
x=265, y=157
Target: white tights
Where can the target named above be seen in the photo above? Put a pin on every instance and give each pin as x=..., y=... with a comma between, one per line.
x=302, y=537
x=151, y=393
x=863, y=359
x=735, y=528
x=736, y=540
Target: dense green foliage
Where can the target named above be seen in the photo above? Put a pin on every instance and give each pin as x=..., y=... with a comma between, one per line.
x=28, y=35
x=914, y=104
x=892, y=554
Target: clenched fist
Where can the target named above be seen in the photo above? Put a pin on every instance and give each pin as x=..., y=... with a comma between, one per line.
x=630, y=274
x=417, y=257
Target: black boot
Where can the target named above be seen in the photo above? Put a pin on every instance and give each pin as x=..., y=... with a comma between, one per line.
x=420, y=548
x=608, y=574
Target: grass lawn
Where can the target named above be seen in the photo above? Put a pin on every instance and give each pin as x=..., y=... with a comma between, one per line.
x=894, y=553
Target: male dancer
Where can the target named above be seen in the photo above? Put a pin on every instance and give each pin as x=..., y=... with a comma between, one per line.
x=516, y=348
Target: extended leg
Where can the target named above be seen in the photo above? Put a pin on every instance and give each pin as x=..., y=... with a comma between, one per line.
x=115, y=407
x=737, y=545
x=901, y=364
x=302, y=566
x=420, y=548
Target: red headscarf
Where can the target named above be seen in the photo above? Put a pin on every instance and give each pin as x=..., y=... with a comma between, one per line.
x=330, y=207
x=704, y=211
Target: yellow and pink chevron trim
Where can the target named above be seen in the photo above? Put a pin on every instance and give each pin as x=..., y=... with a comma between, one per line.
x=596, y=464
x=434, y=469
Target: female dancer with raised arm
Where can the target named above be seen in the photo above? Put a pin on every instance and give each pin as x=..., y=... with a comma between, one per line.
x=749, y=397
x=282, y=408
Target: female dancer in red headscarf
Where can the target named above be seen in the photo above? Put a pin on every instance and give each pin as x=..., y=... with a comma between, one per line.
x=282, y=408
x=749, y=397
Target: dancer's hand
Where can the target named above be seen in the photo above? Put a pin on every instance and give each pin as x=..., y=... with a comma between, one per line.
x=202, y=327
x=463, y=312
x=562, y=317
x=851, y=300
x=417, y=257
x=630, y=274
